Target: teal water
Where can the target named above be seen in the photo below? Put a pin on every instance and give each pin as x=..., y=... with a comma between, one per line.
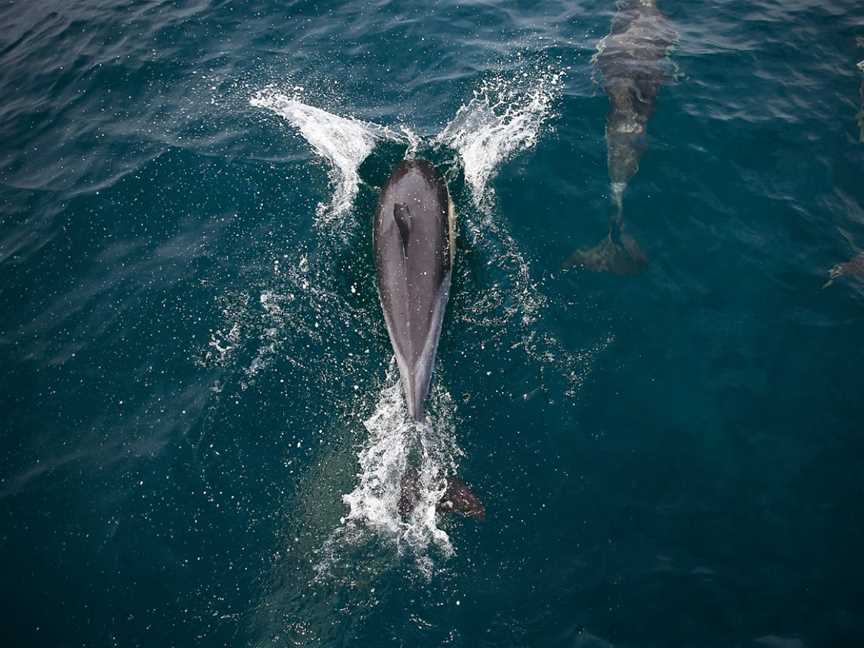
x=202, y=433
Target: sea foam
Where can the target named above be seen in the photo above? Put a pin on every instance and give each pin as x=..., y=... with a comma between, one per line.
x=343, y=142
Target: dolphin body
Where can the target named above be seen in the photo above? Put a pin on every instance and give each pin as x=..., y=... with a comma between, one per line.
x=631, y=59
x=414, y=241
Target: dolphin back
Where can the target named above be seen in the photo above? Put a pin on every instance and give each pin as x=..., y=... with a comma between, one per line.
x=413, y=242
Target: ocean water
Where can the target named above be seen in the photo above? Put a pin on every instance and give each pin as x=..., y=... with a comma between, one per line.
x=203, y=436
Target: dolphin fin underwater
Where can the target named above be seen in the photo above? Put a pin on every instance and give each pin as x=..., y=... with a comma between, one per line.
x=618, y=252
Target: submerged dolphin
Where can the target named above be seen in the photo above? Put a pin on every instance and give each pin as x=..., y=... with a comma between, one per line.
x=852, y=268
x=414, y=240
x=631, y=61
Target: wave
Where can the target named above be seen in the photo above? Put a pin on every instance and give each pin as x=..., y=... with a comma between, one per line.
x=401, y=454
x=343, y=142
x=503, y=118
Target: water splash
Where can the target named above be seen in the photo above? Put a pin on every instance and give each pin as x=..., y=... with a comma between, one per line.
x=224, y=341
x=398, y=451
x=503, y=118
x=343, y=142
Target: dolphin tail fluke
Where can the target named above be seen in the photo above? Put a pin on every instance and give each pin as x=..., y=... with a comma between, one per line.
x=618, y=252
x=459, y=498
x=609, y=256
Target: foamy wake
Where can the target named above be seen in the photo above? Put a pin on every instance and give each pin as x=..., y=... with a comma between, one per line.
x=503, y=118
x=403, y=454
x=343, y=142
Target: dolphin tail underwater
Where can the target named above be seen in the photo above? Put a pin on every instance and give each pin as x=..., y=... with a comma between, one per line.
x=457, y=498
x=415, y=243
x=618, y=252
x=852, y=268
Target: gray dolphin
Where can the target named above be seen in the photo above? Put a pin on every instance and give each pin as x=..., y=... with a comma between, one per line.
x=852, y=268
x=414, y=240
x=414, y=237
x=631, y=59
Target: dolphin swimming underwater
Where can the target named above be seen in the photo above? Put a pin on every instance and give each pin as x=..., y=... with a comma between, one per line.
x=414, y=241
x=631, y=60
x=852, y=268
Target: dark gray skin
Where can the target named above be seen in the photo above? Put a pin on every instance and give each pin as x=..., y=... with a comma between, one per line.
x=632, y=61
x=413, y=237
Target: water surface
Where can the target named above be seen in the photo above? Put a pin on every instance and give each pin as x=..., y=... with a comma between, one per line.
x=202, y=430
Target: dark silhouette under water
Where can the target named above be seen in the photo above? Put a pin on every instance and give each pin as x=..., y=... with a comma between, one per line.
x=852, y=268
x=458, y=497
x=631, y=60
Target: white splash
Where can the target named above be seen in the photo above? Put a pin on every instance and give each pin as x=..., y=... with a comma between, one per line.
x=271, y=322
x=343, y=142
x=503, y=118
x=398, y=447
x=224, y=341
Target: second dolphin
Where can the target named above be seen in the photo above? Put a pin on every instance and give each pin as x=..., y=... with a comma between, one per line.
x=631, y=60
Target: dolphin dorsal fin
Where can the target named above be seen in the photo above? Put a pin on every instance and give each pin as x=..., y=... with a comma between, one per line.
x=402, y=216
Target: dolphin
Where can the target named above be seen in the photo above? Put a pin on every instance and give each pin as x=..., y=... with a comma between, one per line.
x=414, y=237
x=414, y=241
x=631, y=60
x=852, y=268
